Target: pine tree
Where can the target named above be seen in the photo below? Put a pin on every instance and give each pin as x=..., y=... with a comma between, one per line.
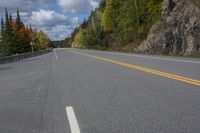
x=7, y=25
x=6, y=34
x=1, y=37
x=16, y=37
x=19, y=24
x=11, y=41
x=10, y=20
x=2, y=25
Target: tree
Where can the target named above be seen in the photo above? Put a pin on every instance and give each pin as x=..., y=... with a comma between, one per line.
x=40, y=40
x=19, y=23
x=106, y=21
x=10, y=20
x=6, y=35
x=137, y=15
x=1, y=37
x=16, y=37
x=118, y=23
x=2, y=25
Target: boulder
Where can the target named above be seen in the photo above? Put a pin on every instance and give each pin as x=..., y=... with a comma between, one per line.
x=178, y=29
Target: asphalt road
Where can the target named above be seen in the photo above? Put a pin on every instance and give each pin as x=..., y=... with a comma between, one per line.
x=109, y=92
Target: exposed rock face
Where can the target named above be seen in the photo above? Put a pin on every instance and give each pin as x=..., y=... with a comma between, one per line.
x=178, y=29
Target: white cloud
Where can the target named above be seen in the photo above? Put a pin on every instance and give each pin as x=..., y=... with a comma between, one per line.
x=7, y=3
x=75, y=6
x=24, y=14
x=75, y=21
x=42, y=15
x=24, y=5
x=56, y=25
x=94, y=3
x=47, y=17
x=60, y=32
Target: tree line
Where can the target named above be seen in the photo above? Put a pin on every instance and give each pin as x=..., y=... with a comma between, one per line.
x=117, y=25
x=16, y=37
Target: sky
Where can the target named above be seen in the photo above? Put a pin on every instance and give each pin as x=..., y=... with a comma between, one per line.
x=56, y=18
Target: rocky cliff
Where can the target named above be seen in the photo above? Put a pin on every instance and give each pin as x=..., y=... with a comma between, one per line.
x=177, y=31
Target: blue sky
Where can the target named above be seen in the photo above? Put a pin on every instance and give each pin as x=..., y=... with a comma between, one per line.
x=57, y=18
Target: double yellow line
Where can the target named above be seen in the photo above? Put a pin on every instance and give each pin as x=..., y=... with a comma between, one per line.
x=152, y=71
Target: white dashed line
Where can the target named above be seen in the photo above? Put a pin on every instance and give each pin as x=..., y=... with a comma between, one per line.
x=54, y=51
x=72, y=120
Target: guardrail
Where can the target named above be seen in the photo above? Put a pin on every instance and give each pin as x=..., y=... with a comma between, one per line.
x=14, y=58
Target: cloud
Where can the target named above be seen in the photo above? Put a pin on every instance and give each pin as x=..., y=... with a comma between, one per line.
x=75, y=6
x=56, y=25
x=57, y=18
x=78, y=6
x=25, y=5
x=60, y=32
x=75, y=21
x=6, y=3
x=94, y=3
x=47, y=18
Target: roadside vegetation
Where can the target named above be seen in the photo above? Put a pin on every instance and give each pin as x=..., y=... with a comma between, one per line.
x=117, y=25
x=17, y=38
x=124, y=25
x=61, y=44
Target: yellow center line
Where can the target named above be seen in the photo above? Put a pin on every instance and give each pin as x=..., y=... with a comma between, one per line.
x=152, y=71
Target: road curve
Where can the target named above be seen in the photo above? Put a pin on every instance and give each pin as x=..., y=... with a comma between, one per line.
x=87, y=91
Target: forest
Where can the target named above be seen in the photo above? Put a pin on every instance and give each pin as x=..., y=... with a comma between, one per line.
x=117, y=25
x=17, y=38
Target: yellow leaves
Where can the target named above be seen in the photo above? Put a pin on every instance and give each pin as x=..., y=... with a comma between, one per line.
x=77, y=40
x=154, y=5
x=106, y=22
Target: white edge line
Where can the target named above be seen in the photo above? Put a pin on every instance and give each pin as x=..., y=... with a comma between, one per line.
x=54, y=51
x=158, y=58
x=72, y=120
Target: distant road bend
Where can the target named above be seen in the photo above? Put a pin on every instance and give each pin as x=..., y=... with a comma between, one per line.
x=88, y=91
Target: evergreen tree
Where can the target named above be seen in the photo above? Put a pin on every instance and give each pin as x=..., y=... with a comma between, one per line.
x=11, y=41
x=2, y=25
x=1, y=37
x=10, y=19
x=6, y=35
x=7, y=24
x=16, y=37
x=19, y=23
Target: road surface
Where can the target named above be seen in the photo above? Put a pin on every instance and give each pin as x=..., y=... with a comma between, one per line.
x=72, y=91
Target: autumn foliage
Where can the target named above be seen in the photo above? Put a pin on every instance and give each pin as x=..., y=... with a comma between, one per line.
x=16, y=37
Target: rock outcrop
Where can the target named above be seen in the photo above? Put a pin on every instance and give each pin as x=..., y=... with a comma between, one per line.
x=178, y=29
